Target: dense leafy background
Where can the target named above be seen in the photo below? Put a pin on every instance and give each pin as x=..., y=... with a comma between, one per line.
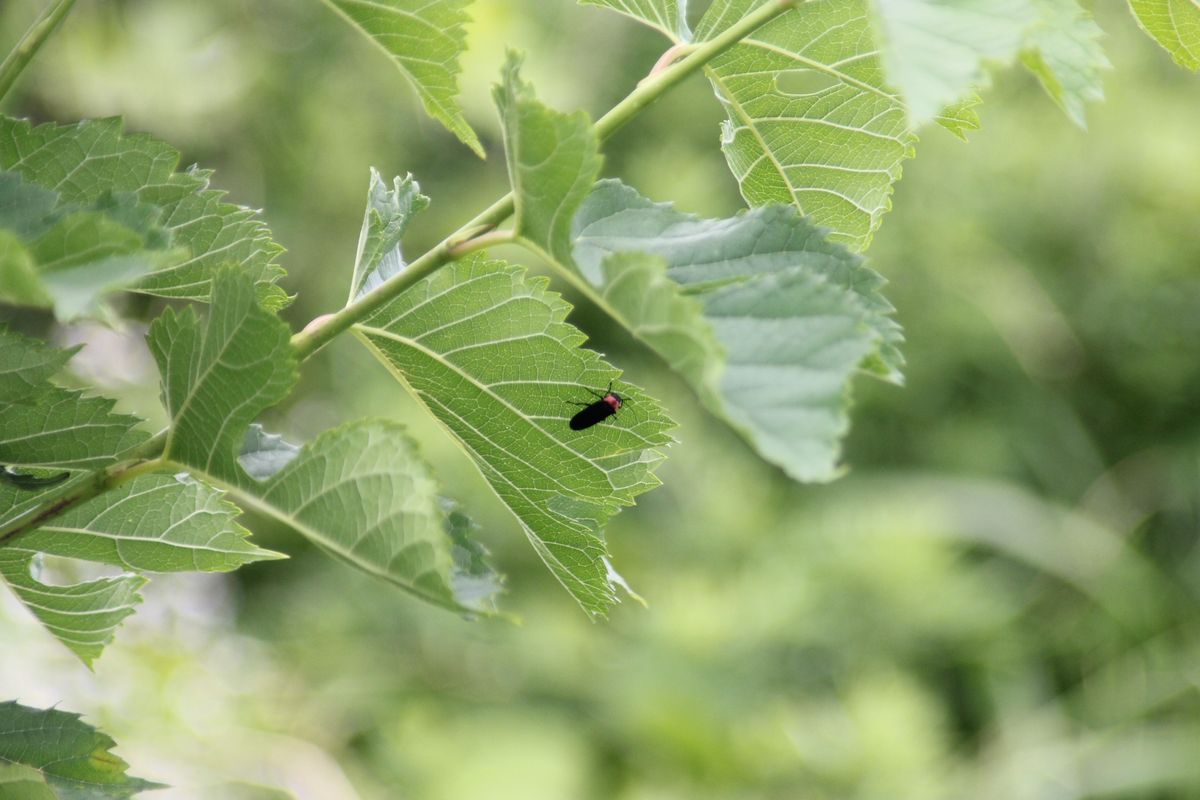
x=998, y=601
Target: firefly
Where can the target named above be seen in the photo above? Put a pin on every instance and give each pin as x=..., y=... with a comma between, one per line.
x=606, y=406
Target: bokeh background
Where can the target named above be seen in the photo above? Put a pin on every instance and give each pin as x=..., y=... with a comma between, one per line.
x=1001, y=599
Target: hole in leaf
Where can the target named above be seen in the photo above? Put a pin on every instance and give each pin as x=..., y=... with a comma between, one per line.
x=62, y=571
x=805, y=82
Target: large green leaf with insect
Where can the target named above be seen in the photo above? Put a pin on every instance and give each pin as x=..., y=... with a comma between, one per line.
x=667, y=16
x=487, y=350
x=765, y=318
x=1174, y=24
x=361, y=492
x=48, y=753
x=770, y=320
x=133, y=178
x=425, y=40
x=51, y=427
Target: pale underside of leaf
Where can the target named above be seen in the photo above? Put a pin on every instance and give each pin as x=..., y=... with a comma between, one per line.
x=794, y=341
x=1064, y=52
x=934, y=51
x=69, y=256
x=791, y=317
x=655, y=309
x=1174, y=24
x=388, y=214
x=488, y=352
x=615, y=219
x=425, y=39
x=667, y=16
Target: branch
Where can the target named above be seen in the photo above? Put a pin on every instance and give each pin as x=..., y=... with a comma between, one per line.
x=321, y=330
x=20, y=56
x=314, y=337
x=144, y=459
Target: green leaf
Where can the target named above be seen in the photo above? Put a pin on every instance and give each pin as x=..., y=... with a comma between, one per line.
x=475, y=582
x=86, y=256
x=788, y=317
x=1174, y=24
x=363, y=494
x=360, y=492
x=26, y=365
x=425, y=40
x=17, y=503
x=263, y=454
x=654, y=308
x=961, y=118
x=387, y=216
x=1064, y=52
x=668, y=16
x=64, y=753
x=18, y=782
x=68, y=430
x=489, y=353
x=219, y=375
x=811, y=121
x=25, y=208
x=934, y=51
x=83, y=616
x=553, y=160
x=20, y=283
x=70, y=257
x=154, y=523
x=47, y=426
x=91, y=163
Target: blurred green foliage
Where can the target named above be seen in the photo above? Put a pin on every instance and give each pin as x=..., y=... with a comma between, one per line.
x=1001, y=600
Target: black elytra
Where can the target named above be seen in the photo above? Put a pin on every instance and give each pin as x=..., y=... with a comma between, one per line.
x=608, y=405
